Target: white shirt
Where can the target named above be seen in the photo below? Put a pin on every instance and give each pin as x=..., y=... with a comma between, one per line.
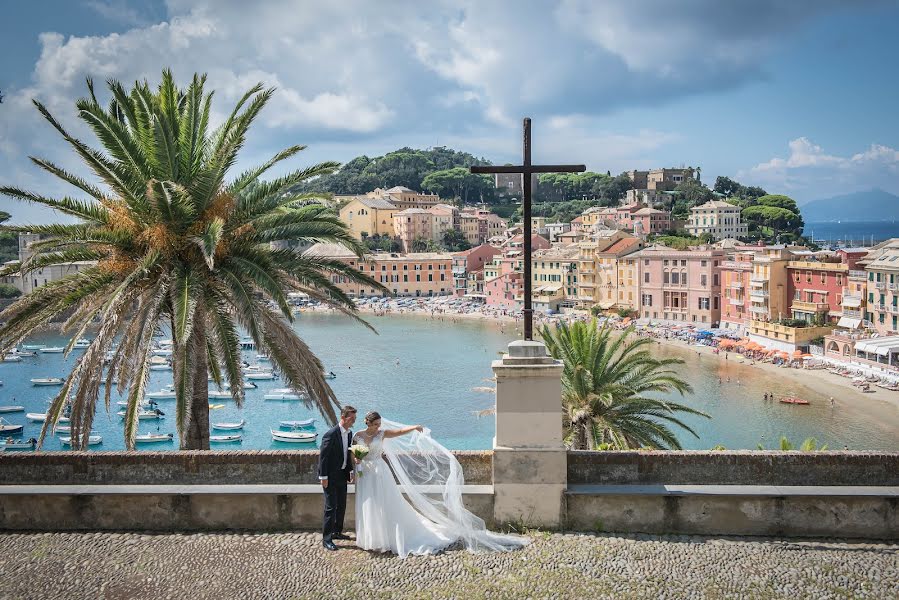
x=343, y=442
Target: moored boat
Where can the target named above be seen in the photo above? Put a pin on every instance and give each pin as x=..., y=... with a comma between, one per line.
x=152, y=438
x=8, y=428
x=166, y=394
x=12, y=358
x=91, y=440
x=282, y=394
x=297, y=424
x=219, y=394
x=293, y=437
x=81, y=344
x=52, y=350
x=41, y=417
x=46, y=381
x=144, y=414
x=33, y=346
x=11, y=408
x=11, y=444
x=224, y=439
x=260, y=376
x=790, y=400
x=229, y=426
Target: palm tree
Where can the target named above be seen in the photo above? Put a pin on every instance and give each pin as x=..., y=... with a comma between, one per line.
x=176, y=247
x=604, y=382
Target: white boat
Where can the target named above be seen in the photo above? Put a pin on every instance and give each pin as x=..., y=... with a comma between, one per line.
x=143, y=405
x=260, y=376
x=9, y=428
x=33, y=346
x=229, y=426
x=247, y=385
x=330, y=375
x=152, y=438
x=224, y=439
x=53, y=350
x=12, y=358
x=162, y=352
x=161, y=367
x=46, y=381
x=41, y=417
x=11, y=444
x=219, y=394
x=297, y=424
x=82, y=344
x=294, y=437
x=10, y=408
x=167, y=394
x=92, y=440
x=263, y=358
x=282, y=394
x=144, y=414
x=24, y=353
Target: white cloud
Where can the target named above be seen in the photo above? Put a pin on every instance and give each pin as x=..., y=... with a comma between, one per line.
x=810, y=172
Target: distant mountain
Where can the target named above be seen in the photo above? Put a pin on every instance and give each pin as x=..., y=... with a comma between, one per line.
x=871, y=205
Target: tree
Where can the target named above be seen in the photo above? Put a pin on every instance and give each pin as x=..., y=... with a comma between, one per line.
x=178, y=248
x=726, y=186
x=455, y=241
x=8, y=290
x=382, y=243
x=9, y=242
x=604, y=382
x=775, y=219
x=694, y=192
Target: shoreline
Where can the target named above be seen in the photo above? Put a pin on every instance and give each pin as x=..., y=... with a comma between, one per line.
x=821, y=381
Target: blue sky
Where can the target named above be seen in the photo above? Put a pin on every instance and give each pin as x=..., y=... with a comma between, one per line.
x=799, y=97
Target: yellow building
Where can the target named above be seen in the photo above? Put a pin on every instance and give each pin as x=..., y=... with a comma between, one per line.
x=368, y=217
x=555, y=275
x=628, y=283
x=598, y=269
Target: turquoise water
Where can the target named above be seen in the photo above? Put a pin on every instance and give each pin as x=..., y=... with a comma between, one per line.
x=418, y=370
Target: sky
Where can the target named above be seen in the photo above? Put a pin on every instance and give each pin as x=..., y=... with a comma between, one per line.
x=798, y=97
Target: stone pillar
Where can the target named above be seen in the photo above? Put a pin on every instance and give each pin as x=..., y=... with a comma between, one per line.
x=529, y=459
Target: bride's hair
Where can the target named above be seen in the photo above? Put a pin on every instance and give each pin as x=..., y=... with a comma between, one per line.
x=372, y=417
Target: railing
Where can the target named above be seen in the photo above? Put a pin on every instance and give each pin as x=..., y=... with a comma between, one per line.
x=809, y=306
x=758, y=310
x=736, y=285
x=880, y=285
x=852, y=313
x=893, y=286
x=736, y=301
x=857, y=275
x=757, y=281
x=894, y=310
x=758, y=294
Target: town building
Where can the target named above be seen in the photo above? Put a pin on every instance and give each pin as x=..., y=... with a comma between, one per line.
x=39, y=277
x=367, y=217
x=719, y=219
x=650, y=221
x=412, y=224
x=882, y=268
x=418, y=274
x=403, y=198
x=554, y=273
x=659, y=179
x=680, y=286
x=628, y=269
x=817, y=282
x=444, y=218
x=504, y=281
x=554, y=230
x=468, y=269
x=598, y=268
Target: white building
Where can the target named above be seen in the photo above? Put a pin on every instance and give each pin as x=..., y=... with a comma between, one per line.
x=35, y=279
x=720, y=219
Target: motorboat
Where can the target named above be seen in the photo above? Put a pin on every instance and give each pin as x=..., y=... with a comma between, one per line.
x=330, y=375
x=162, y=352
x=219, y=394
x=247, y=385
x=297, y=424
x=152, y=438
x=143, y=405
x=92, y=440
x=12, y=357
x=53, y=350
x=81, y=344
x=144, y=414
x=24, y=353
x=224, y=439
x=11, y=408
x=8, y=428
x=789, y=400
x=46, y=381
x=282, y=394
x=229, y=426
x=263, y=358
x=294, y=437
x=260, y=376
x=161, y=367
x=166, y=394
x=33, y=346
x=11, y=444
x=41, y=417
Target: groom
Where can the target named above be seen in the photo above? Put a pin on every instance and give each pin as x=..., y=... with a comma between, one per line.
x=335, y=470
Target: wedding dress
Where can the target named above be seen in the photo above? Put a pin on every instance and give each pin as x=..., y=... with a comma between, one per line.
x=409, y=499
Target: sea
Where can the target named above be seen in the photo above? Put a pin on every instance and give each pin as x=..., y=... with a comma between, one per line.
x=437, y=373
x=851, y=233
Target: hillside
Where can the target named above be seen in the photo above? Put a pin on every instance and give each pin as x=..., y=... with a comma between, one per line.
x=870, y=205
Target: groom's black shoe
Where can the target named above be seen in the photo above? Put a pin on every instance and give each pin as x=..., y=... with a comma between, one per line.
x=329, y=545
x=340, y=536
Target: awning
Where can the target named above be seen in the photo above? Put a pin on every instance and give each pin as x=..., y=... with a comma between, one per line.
x=849, y=323
x=879, y=346
x=852, y=301
x=606, y=304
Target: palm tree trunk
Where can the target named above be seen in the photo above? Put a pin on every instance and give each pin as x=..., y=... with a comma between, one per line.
x=197, y=435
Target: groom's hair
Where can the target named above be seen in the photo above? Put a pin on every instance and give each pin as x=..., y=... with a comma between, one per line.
x=347, y=410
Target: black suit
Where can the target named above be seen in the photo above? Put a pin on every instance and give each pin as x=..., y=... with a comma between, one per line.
x=337, y=468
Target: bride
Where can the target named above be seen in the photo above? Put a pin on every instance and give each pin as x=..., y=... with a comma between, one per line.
x=406, y=460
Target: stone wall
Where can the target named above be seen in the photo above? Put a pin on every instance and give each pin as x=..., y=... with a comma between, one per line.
x=188, y=467
x=734, y=468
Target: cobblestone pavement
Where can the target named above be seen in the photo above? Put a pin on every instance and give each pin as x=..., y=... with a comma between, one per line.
x=294, y=565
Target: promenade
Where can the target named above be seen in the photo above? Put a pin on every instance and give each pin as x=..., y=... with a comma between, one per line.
x=294, y=565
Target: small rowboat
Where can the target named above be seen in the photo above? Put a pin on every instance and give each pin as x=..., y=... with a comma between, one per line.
x=8, y=428
x=53, y=350
x=229, y=426
x=46, y=381
x=41, y=417
x=294, y=437
x=11, y=408
x=794, y=401
x=151, y=438
x=224, y=439
x=91, y=440
x=216, y=406
x=11, y=444
x=297, y=424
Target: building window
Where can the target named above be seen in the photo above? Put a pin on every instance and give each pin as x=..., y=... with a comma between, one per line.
x=645, y=280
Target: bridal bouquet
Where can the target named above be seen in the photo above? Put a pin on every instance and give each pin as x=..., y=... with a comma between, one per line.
x=360, y=452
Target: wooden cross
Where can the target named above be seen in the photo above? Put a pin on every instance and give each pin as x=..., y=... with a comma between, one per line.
x=526, y=169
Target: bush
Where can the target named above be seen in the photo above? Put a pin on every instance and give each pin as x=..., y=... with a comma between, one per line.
x=9, y=291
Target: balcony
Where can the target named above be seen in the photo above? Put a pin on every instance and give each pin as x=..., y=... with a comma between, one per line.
x=736, y=285
x=759, y=295
x=809, y=307
x=758, y=281
x=893, y=309
x=587, y=284
x=857, y=275
x=852, y=313
x=893, y=287
x=459, y=271
x=736, y=301
x=758, y=310
x=880, y=285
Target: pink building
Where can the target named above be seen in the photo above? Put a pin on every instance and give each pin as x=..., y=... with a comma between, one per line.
x=504, y=281
x=650, y=220
x=412, y=224
x=735, y=289
x=470, y=261
x=680, y=286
